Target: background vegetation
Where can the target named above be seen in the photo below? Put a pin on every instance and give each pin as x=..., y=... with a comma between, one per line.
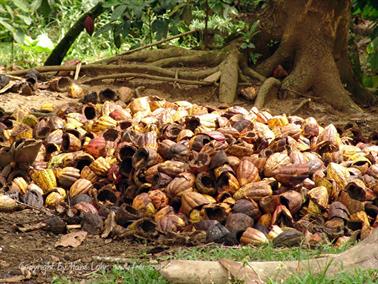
x=29, y=29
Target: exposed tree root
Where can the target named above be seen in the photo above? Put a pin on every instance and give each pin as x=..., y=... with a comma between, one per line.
x=145, y=76
x=362, y=256
x=229, y=77
x=270, y=87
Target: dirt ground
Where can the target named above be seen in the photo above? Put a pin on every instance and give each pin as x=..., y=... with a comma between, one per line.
x=35, y=251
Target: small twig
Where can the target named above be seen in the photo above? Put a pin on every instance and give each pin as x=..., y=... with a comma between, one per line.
x=77, y=71
x=300, y=105
x=111, y=259
x=146, y=76
x=43, y=210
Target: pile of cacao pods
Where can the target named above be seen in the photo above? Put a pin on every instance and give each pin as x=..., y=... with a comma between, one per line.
x=154, y=168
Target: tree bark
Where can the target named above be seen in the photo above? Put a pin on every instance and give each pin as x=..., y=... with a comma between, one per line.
x=57, y=55
x=313, y=38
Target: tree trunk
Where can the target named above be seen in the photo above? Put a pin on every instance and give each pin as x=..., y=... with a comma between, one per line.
x=313, y=38
x=57, y=55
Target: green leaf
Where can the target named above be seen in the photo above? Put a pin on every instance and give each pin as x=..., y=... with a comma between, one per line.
x=104, y=29
x=187, y=14
x=118, y=12
x=34, y=6
x=160, y=26
x=27, y=20
x=6, y=25
x=23, y=5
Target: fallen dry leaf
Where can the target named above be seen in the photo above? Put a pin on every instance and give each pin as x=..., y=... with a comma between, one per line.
x=72, y=239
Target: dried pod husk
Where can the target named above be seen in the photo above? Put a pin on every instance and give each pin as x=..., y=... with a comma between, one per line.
x=21, y=131
x=289, y=238
x=240, y=149
x=216, y=211
x=218, y=160
x=274, y=232
x=88, y=174
x=108, y=95
x=340, y=175
x=96, y=147
x=75, y=91
x=19, y=185
x=55, y=137
x=254, y=191
x=54, y=198
x=197, y=142
x=45, y=179
x=258, y=161
x=79, y=187
x=143, y=204
x=291, y=174
x=85, y=208
x=170, y=223
x=171, y=131
x=148, y=140
x=103, y=123
x=145, y=157
x=144, y=227
x=253, y=237
x=33, y=196
x=237, y=223
x=248, y=207
x=126, y=214
x=328, y=140
x=172, y=168
x=227, y=182
x=357, y=189
x=205, y=184
x=269, y=203
x=81, y=198
x=247, y=172
x=160, y=180
x=100, y=166
x=140, y=105
x=192, y=200
x=60, y=84
x=184, y=134
x=292, y=199
x=334, y=228
x=282, y=216
x=274, y=162
x=56, y=122
x=217, y=233
x=125, y=150
x=7, y=203
x=339, y=210
x=310, y=127
x=179, y=152
x=42, y=129
x=158, y=198
x=353, y=205
x=200, y=163
x=70, y=143
x=234, y=162
x=371, y=209
x=67, y=176
x=164, y=148
x=319, y=195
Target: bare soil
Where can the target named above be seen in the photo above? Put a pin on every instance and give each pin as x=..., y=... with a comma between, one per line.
x=36, y=250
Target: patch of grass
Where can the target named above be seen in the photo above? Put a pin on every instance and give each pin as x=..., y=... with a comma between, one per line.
x=248, y=253
x=357, y=277
x=137, y=274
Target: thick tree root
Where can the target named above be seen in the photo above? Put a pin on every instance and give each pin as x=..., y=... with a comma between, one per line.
x=362, y=256
x=229, y=77
x=270, y=88
x=100, y=68
x=146, y=76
